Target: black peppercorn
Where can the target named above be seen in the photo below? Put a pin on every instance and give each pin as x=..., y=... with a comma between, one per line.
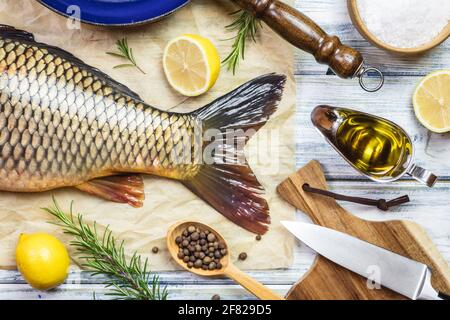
x=198, y=263
x=242, y=256
x=195, y=236
x=207, y=260
x=191, y=229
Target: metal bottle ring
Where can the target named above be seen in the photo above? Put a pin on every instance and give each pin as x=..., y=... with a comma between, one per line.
x=366, y=71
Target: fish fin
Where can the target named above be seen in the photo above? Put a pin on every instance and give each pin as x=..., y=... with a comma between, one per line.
x=230, y=186
x=121, y=188
x=13, y=33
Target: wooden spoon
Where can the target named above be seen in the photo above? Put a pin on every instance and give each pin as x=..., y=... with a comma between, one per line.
x=228, y=268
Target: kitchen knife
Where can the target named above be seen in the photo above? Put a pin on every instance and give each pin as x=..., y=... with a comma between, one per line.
x=398, y=273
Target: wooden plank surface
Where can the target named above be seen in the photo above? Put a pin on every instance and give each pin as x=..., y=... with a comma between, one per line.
x=428, y=207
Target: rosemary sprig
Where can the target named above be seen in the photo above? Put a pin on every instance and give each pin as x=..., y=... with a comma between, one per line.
x=126, y=279
x=246, y=26
x=125, y=52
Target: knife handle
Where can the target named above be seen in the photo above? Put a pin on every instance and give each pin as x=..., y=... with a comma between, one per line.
x=443, y=296
x=305, y=34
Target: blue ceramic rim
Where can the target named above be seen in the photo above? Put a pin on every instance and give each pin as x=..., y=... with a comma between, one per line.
x=151, y=14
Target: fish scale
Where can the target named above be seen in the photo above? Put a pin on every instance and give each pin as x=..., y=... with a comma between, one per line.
x=62, y=126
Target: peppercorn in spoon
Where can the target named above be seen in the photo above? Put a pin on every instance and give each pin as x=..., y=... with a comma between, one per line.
x=200, y=249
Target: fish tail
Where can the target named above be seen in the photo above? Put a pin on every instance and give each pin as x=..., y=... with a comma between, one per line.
x=227, y=183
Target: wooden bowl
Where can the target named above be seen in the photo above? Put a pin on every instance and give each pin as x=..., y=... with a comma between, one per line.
x=359, y=24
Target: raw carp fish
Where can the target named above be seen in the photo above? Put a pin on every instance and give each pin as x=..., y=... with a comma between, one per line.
x=64, y=123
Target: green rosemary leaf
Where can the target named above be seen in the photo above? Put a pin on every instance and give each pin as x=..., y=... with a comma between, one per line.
x=125, y=52
x=247, y=27
x=115, y=54
x=104, y=255
x=123, y=65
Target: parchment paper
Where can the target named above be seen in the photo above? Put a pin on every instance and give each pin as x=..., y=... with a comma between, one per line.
x=166, y=201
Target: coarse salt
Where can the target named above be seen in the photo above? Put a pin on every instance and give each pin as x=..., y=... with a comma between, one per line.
x=405, y=23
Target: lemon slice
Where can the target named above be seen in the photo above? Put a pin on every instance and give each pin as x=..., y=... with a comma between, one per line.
x=191, y=64
x=431, y=101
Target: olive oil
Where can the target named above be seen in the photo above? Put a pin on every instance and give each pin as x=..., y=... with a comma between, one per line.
x=376, y=147
x=373, y=145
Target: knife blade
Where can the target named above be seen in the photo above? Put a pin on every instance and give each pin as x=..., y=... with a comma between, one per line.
x=396, y=272
x=330, y=72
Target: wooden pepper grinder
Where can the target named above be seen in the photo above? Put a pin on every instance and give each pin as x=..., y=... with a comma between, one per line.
x=306, y=35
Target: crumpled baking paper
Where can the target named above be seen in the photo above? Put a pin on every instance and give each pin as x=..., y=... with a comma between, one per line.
x=166, y=201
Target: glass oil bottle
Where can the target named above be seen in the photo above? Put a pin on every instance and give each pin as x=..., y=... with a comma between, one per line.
x=378, y=148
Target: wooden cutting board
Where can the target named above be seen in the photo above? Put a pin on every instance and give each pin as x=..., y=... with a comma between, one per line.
x=327, y=280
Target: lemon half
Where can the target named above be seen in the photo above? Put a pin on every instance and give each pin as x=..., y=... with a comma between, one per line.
x=431, y=101
x=191, y=64
x=42, y=259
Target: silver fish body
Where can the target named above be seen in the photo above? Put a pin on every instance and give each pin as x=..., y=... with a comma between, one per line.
x=64, y=123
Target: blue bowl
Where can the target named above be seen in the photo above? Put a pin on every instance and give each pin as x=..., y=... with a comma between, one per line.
x=115, y=12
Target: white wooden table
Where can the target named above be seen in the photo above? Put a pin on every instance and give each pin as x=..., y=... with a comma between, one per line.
x=428, y=207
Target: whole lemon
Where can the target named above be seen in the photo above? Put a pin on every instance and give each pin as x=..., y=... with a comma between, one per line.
x=42, y=259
